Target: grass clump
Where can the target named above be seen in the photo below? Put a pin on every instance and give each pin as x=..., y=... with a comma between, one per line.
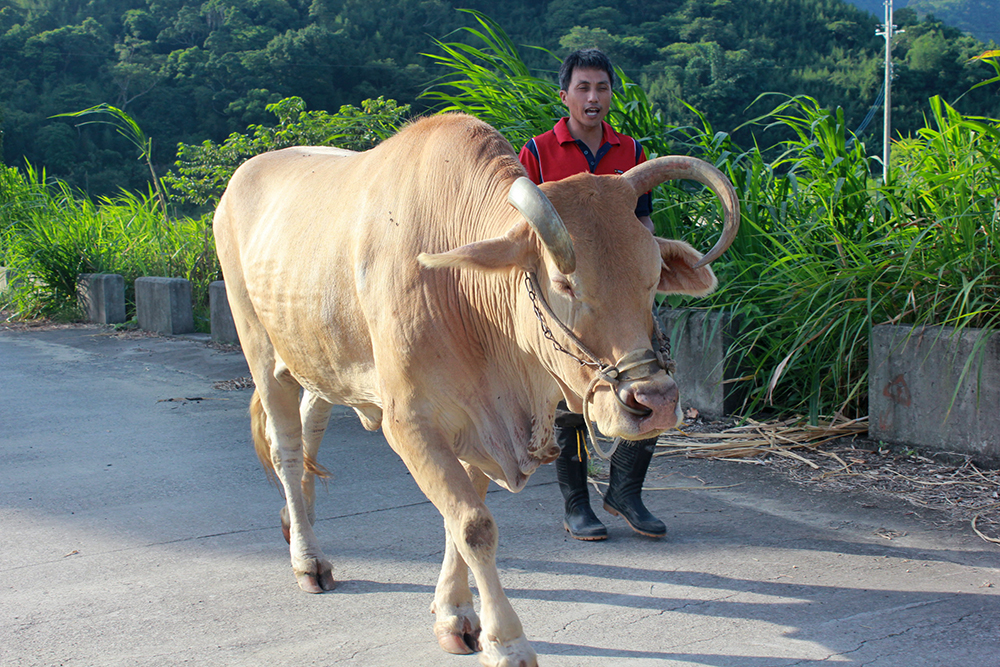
x=50, y=234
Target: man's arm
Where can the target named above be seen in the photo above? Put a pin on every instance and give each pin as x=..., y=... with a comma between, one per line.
x=644, y=207
x=530, y=162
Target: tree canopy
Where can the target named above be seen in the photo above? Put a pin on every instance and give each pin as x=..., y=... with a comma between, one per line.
x=980, y=18
x=194, y=70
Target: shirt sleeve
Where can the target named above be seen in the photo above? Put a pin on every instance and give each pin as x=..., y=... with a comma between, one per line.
x=530, y=162
x=645, y=204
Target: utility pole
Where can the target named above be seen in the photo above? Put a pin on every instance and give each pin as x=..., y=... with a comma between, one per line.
x=887, y=31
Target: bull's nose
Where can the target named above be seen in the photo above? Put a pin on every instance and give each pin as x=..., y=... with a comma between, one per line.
x=657, y=401
x=631, y=403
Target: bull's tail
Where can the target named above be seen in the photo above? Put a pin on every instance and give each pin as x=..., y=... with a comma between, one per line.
x=262, y=445
x=258, y=427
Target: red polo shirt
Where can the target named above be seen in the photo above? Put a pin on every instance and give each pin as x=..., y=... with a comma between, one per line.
x=554, y=155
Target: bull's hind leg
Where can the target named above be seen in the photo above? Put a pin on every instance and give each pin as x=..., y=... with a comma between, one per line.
x=282, y=426
x=274, y=408
x=472, y=530
x=314, y=414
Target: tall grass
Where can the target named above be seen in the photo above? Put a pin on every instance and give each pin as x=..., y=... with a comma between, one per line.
x=49, y=234
x=128, y=128
x=919, y=250
x=825, y=251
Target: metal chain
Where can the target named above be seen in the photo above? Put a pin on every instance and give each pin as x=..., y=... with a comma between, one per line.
x=546, y=331
x=664, y=353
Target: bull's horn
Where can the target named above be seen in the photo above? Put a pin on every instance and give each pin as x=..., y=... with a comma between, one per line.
x=646, y=176
x=536, y=208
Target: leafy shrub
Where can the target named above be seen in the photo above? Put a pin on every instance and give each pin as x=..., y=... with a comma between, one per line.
x=204, y=170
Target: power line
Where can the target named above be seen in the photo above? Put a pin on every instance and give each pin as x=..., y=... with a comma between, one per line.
x=871, y=115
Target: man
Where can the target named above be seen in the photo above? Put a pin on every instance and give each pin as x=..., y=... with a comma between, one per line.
x=584, y=142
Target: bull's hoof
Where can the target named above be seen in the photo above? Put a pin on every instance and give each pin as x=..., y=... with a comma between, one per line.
x=456, y=628
x=459, y=644
x=317, y=577
x=515, y=653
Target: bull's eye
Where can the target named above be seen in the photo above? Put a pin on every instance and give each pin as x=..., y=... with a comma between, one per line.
x=563, y=287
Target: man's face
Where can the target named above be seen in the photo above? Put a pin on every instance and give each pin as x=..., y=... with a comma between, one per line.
x=588, y=97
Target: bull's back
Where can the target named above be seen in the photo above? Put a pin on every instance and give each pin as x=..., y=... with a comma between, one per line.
x=326, y=243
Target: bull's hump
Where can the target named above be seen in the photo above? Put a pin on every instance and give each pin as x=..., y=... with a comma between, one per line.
x=310, y=151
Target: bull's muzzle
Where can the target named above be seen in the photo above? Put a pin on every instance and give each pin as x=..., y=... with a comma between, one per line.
x=642, y=386
x=652, y=402
x=634, y=366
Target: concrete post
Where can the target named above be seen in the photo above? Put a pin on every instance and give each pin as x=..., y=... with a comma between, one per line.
x=102, y=296
x=164, y=305
x=223, y=326
x=9, y=280
x=699, y=342
x=935, y=387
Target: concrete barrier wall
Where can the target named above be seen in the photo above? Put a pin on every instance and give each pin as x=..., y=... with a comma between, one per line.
x=102, y=297
x=164, y=305
x=699, y=340
x=935, y=387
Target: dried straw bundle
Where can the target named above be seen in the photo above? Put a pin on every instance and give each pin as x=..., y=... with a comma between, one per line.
x=762, y=439
x=963, y=491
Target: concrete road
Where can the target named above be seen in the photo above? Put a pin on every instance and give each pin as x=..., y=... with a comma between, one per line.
x=138, y=529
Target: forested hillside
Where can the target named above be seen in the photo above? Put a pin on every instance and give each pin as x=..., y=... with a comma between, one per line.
x=979, y=17
x=189, y=70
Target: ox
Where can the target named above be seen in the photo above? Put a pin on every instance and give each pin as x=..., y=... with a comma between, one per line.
x=393, y=281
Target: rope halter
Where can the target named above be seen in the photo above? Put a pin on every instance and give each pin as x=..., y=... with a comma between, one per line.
x=636, y=365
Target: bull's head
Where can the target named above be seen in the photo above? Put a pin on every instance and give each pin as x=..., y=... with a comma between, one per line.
x=596, y=277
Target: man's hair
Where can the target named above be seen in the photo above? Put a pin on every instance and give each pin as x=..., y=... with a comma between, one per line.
x=585, y=59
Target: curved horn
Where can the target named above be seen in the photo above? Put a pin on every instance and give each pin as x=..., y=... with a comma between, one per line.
x=646, y=176
x=536, y=208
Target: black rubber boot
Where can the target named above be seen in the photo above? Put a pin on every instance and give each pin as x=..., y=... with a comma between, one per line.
x=571, y=471
x=628, y=470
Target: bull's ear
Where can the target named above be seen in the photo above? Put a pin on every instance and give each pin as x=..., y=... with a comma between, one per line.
x=515, y=249
x=677, y=275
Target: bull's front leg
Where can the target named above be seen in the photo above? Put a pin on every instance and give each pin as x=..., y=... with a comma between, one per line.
x=457, y=625
x=472, y=532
